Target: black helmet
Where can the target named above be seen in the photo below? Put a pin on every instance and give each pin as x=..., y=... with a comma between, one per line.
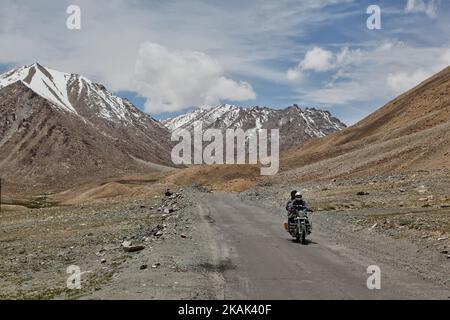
x=293, y=193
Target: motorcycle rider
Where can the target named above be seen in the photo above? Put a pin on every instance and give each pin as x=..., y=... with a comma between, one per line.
x=296, y=204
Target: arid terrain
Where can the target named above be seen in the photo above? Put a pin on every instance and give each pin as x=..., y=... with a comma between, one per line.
x=401, y=222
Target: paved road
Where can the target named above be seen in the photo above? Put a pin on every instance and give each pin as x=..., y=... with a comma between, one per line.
x=262, y=262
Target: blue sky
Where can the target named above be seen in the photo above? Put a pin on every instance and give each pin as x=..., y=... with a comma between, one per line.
x=167, y=56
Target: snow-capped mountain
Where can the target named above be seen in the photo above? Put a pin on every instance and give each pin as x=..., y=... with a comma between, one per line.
x=66, y=91
x=295, y=124
x=60, y=127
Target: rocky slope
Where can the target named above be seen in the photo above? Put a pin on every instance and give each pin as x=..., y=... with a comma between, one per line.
x=411, y=132
x=295, y=124
x=58, y=130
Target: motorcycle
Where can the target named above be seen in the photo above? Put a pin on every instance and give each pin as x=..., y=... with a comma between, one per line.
x=298, y=225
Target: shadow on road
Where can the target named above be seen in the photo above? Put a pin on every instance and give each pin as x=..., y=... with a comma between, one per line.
x=308, y=242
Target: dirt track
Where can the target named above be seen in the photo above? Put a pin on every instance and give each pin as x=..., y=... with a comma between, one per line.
x=237, y=249
x=267, y=264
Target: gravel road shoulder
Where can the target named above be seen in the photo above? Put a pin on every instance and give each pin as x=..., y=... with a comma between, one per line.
x=183, y=263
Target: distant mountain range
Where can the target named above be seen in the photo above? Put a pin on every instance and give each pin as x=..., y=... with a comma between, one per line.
x=296, y=125
x=59, y=129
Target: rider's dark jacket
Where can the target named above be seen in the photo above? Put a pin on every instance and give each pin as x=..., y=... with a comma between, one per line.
x=297, y=204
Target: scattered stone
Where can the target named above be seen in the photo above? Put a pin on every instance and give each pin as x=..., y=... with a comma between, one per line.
x=100, y=253
x=133, y=248
x=444, y=251
x=158, y=233
x=103, y=261
x=374, y=226
x=183, y=236
x=126, y=244
x=168, y=193
x=443, y=238
x=422, y=189
x=156, y=265
x=143, y=267
x=362, y=193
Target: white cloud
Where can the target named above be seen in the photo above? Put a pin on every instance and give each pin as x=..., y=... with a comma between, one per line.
x=175, y=80
x=381, y=72
x=445, y=58
x=429, y=7
x=403, y=81
x=321, y=60
x=318, y=60
x=245, y=38
x=293, y=74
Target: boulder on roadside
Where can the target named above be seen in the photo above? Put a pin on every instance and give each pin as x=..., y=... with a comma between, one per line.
x=133, y=248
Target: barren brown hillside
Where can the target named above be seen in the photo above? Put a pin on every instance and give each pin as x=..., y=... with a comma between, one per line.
x=411, y=132
x=49, y=146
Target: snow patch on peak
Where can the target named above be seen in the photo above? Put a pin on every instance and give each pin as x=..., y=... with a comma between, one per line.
x=73, y=93
x=49, y=84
